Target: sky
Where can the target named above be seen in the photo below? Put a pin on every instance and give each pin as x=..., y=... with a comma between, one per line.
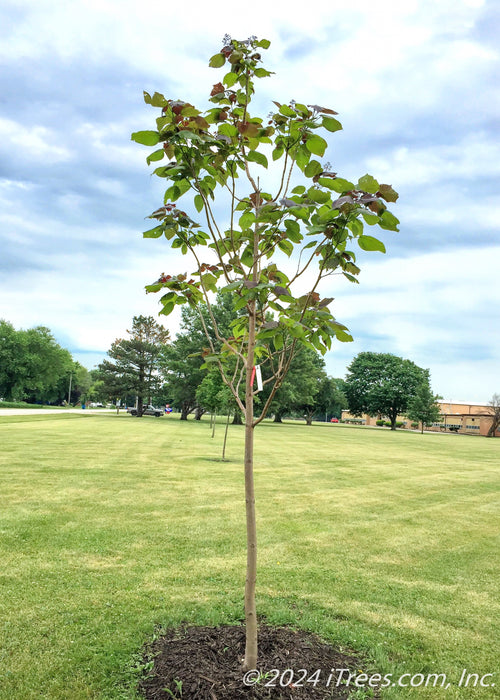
x=416, y=85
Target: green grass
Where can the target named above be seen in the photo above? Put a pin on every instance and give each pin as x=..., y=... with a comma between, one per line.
x=23, y=404
x=381, y=542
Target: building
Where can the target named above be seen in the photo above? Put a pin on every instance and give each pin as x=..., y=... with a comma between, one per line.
x=457, y=417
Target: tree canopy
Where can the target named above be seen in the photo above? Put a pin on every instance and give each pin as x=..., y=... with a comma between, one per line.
x=35, y=368
x=382, y=383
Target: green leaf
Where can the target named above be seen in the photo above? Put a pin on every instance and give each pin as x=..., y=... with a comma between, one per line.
x=155, y=232
x=263, y=43
x=257, y=157
x=262, y=73
x=317, y=195
x=229, y=79
x=337, y=184
x=287, y=111
x=156, y=155
x=331, y=124
x=303, y=156
x=388, y=221
x=198, y=202
x=313, y=168
x=158, y=100
x=370, y=219
x=278, y=152
x=239, y=303
x=316, y=144
x=368, y=184
x=293, y=230
x=300, y=189
x=168, y=308
x=356, y=227
x=278, y=341
x=286, y=247
x=370, y=243
x=343, y=336
x=246, y=220
x=146, y=138
x=217, y=60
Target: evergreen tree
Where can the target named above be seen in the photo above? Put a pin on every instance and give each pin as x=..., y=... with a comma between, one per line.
x=134, y=363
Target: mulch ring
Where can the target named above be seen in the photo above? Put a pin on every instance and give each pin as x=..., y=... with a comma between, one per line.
x=204, y=663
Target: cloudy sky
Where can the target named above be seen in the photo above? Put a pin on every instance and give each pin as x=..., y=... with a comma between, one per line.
x=416, y=85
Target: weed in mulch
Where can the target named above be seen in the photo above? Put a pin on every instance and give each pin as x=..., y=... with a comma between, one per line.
x=205, y=663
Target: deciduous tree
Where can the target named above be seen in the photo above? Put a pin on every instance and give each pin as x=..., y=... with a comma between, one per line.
x=381, y=383
x=423, y=406
x=225, y=149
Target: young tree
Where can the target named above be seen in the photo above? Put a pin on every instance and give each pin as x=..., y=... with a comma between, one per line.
x=381, y=383
x=422, y=407
x=223, y=150
x=331, y=399
x=494, y=411
x=135, y=360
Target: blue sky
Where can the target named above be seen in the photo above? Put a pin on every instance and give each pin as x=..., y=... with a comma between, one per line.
x=416, y=85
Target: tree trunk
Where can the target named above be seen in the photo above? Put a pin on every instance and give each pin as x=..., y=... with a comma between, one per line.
x=185, y=411
x=250, y=661
x=277, y=418
x=225, y=438
x=214, y=416
x=199, y=412
x=237, y=418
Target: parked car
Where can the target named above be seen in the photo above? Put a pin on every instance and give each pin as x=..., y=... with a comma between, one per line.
x=334, y=420
x=147, y=410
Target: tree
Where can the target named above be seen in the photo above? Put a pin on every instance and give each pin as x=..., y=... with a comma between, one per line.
x=494, y=411
x=217, y=155
x=12, y=362
x=183, y=360
x=135, y=361
x=330, y=399
x=381, y=383
x=298, y=390
x=422, y=407
x=33, y=366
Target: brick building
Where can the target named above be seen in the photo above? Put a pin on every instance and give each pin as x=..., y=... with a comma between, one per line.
x=458, y=417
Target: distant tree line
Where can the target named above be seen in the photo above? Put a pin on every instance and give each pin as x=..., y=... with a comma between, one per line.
x=150, y=367
x=34, y=368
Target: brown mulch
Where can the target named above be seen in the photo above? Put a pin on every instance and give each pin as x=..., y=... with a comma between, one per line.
x=204, y=663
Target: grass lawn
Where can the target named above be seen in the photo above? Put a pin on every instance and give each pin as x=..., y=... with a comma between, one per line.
x=384, y=543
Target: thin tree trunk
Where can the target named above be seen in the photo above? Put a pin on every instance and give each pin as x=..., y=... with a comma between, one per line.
x=250, y=661
x=214, y=416
x=225, y=438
